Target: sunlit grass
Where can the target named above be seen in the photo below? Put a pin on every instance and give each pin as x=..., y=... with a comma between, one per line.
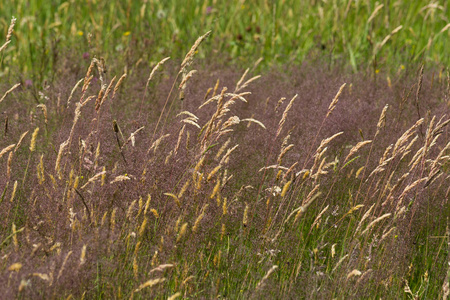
x=117, y=186
x=363, y=34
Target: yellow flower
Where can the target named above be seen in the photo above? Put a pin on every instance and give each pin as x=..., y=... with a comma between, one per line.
x=126, y=33
x=80, y=33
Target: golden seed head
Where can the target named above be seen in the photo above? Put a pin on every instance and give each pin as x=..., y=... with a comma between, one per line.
x=245, y=218
x=182, y=231
x=286, y=188
x=13, y=192
x=83, y=255
x=33, y=140
x=142, y=228
x=154, y=212
x=216, y=189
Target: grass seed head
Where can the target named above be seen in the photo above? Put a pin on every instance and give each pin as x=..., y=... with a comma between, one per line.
x=182, y=232
x=33, y=140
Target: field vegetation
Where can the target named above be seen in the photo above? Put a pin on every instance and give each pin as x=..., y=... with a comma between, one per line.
x=276, y=155
x=375, y=35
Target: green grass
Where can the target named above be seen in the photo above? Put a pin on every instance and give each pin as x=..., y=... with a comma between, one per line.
x=290, y=31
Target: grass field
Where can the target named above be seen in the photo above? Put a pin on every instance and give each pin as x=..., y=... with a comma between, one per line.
x=320, y=171
x=380, y=35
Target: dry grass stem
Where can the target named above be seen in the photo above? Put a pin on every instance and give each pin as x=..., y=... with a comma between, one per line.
x=199, y=218
x=59, y=157
x=93, y=179
x=380, y=45
x=353, y=273
x=20, y=140
x=245, y=216
x=189, y=114
x=9, y=34
x=374, y=222
x=339, y=263
x=185, y=79
x=83, y=255
x=120, y=178
x=132, y=137
x=9, y=91
x=254, y=121
x=103, y=93
x=387, y=233
x=232, y=95
x=150, y=283
x=374, y=13
x=240, y=86
x=364, y=217
x=73, y=90
x=174, y=296
x=320, y=151
x=335, y=101
x=161, y=268
x=192, y=122
x=355, y=149
x=155, y=68
x=190, y=55
x=174, y=197
x=263, y=280
x=13, y=194
x=284, y=117
x=8, y=165
x=3, y=47
x=5, y=150
x=225, y=157
x=283, y=153
x=44, y=111
x=63, y=265
x=118, y=84
x=156, y=143
x=273, y=167
x=254, y=78
x=319, y=217
x=241, y=80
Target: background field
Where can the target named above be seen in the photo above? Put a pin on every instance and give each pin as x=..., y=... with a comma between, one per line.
x=128, y=175
x=361, y=34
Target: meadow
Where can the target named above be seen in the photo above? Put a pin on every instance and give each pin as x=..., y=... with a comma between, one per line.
x=274, y=154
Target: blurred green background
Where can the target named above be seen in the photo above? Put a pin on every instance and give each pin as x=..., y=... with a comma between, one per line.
x=362, y=34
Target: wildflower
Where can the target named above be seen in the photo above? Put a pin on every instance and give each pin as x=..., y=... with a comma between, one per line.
x=28, y=83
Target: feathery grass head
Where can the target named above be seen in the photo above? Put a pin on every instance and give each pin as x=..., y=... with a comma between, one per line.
x=33, y=140
x=335, y=101
x=9, y=34
x=190, y=55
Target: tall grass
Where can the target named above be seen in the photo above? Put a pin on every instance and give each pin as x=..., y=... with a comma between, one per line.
x=374, y=35
x=226, y=194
